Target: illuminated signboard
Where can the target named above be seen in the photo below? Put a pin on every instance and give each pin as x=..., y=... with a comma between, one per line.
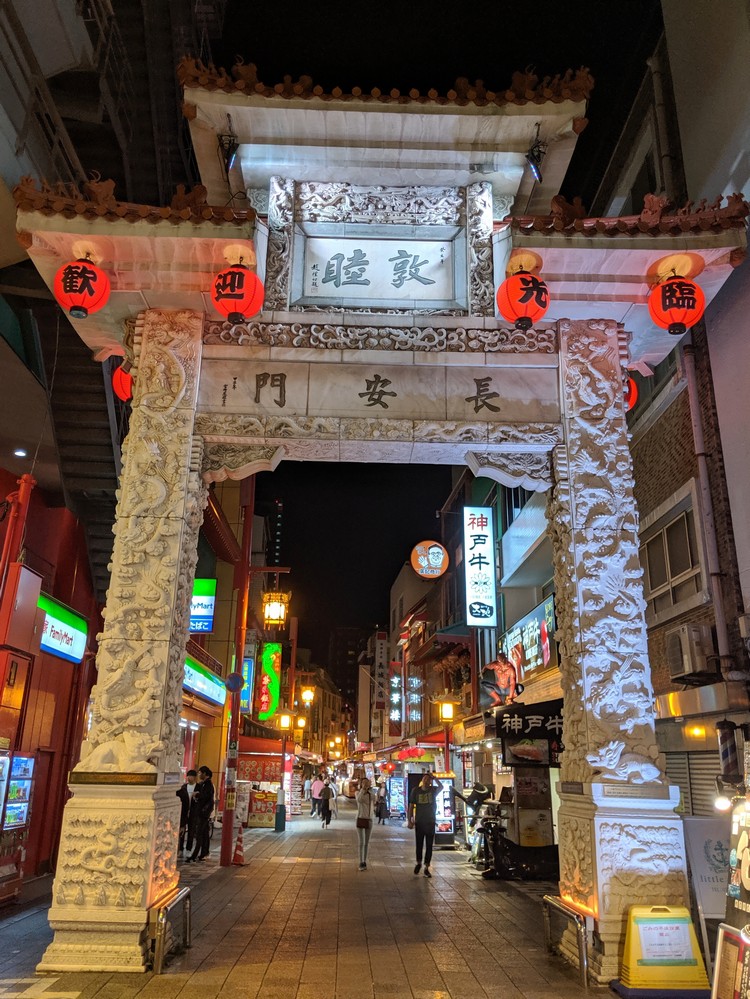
x=202, y=606
x=479, y=567
x=63, y=632
x=429, y=559
x=269, y=682
x=529, y=644
x=201, y=681
x=395, y=698
x=248, y=673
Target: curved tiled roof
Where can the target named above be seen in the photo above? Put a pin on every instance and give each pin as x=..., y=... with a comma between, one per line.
x=97, y=200
x=525, y=87
x=570, y=219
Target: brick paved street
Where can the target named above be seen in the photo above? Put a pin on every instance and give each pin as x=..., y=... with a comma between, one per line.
x=299, y=921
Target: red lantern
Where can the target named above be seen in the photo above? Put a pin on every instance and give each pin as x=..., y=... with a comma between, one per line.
x=237, y=293
x=81, y=287
x=631, y=394
x=676, y=304
x=523, y=299
x=122, y=384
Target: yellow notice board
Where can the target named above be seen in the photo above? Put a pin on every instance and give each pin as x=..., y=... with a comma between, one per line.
x=661, y=950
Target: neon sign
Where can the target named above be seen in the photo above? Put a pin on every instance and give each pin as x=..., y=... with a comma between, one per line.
x=269, y=682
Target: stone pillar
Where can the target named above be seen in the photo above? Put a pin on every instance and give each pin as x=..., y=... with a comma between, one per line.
x=620, y=840
x=119, y=836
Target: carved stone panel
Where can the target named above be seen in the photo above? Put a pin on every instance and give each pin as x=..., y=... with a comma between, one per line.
x=481, y=283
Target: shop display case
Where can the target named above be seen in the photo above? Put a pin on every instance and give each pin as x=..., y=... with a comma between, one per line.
x=17, y=788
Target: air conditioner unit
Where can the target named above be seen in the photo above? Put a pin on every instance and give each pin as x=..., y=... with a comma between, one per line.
x=688, y=648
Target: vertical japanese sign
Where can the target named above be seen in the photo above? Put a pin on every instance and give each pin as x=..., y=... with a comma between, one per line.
x=269, y=681
x=380, y=668
x=395, y=699
x=479, y=567
x=248, y=673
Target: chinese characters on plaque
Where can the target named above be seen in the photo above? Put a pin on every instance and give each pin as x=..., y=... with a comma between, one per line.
x=378, y=270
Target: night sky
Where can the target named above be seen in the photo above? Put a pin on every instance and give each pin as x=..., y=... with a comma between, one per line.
x=349, y=528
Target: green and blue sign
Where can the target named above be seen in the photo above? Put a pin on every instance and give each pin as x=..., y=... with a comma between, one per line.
x=202, y=606
x=201, y=681
x=64, y=632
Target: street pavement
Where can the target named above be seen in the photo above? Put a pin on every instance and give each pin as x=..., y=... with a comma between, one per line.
x=300, y=921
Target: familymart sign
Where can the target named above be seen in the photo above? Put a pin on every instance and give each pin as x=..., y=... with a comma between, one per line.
x=64, y=632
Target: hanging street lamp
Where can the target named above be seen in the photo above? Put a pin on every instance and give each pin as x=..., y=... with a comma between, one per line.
x=523, y=299
x=676, y=304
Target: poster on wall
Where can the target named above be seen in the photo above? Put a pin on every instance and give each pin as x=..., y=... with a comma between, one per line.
x=529, y=643
x=480, y=572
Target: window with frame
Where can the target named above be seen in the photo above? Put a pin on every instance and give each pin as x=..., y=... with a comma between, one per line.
x=670, y=557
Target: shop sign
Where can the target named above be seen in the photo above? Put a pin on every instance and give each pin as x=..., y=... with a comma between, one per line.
x=429, y=559
x=707, y=846
x=479, y=567
x=377, y=272
x=529, y=643
x=202, y=606
x=269, y=683
x=248, y=673
x=64, y=632
x=262, y=811
x=738, y=890
x=531, y=734
x=201, y=681
x=395, y=699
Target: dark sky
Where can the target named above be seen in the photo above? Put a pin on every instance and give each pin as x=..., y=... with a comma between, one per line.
x=349, y=528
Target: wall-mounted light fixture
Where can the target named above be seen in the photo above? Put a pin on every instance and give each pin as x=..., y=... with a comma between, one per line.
x=535, y=155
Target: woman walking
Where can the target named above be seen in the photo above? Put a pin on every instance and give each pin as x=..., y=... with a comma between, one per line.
x=365, y=799
x=326, y=797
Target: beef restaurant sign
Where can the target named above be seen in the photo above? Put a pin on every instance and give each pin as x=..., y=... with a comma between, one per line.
x=479, y=567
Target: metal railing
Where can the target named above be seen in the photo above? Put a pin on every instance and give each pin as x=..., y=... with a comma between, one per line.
x=160, y=920
x=552, y=902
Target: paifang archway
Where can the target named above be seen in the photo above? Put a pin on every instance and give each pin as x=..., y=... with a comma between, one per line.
x=543, y=409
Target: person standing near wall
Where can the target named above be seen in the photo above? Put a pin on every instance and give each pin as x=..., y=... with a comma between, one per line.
x=422, y=808
x=203, y=796
x=185, y=796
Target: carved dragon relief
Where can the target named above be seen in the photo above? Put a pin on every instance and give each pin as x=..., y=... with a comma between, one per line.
x=330, y=336
x=339, y=202
x=237, y=461
x=280, y=240
x=530, y=471
x=481, y=283
x=598, y=577
x=160, y=506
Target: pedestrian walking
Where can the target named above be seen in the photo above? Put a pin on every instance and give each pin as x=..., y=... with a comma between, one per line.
x=203, y=796
x=365, y=799
x=326, y=796
x=422, y=808
x=334, y=801
x=315, y=789
x=184, y=794
x=306, y=789
x=381, y=802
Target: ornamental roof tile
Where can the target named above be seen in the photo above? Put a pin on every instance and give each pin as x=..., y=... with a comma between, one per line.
x=97, y=200
x=658, y=218
x=525, y=87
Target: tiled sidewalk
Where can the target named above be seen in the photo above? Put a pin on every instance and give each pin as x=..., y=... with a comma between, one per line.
x=299, y=921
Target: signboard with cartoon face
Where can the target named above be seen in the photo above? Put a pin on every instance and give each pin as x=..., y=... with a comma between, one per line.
x=429, y=559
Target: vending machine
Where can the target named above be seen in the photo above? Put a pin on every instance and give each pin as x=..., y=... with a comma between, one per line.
x=16, y=789
x=445, y=818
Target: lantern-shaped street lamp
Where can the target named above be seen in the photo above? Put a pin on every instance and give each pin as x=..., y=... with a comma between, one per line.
x=81, y=287
x=285, y=724
x=237, y=293
x=308, y=696
x=446, y=717
x=523, y=299
x=676, y=304
x=275, y=608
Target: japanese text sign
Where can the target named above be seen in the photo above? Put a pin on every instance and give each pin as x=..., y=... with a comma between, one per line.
x=479, y=567
x=269, y=681
x=530, y=644
x=202, y=606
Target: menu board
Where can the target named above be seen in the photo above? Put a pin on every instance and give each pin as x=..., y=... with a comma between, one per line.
x=262, y=813
x=259, y=768
x=19, y=792
x=295, y=799
x=396, y=795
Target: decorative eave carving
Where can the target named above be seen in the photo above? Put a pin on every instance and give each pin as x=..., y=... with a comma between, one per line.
x=97, y=201
x=330, y=336
x=530, y=471
x=525, y=87
x=656, y=219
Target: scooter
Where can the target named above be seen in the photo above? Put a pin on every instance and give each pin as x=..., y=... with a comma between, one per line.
x=513, y=862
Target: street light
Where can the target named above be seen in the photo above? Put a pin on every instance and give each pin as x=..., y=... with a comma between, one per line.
x=275, y=608
x=308, y=696
x=446, y=717
x=285, y=724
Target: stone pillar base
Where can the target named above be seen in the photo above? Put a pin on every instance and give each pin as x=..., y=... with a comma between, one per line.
x=118, y=858
x=620, y=845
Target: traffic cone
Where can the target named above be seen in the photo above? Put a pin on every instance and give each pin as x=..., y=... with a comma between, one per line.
x=239, y=849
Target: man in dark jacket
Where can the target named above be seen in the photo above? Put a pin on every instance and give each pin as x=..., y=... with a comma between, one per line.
x=187, y=829
x=203, y=798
